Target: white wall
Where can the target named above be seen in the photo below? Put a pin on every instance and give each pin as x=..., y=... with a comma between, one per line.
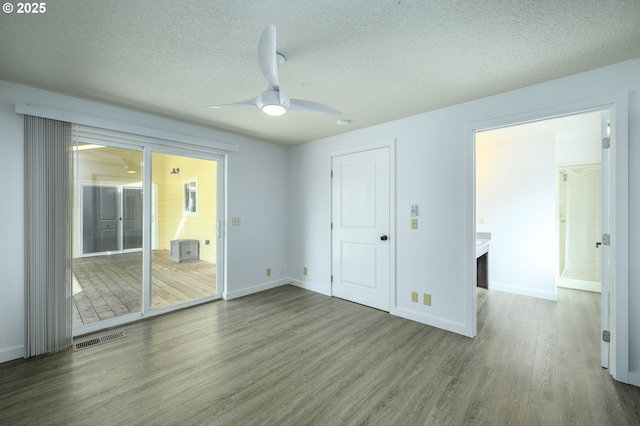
x=257, y=192
x=428, y=259
x=516, y=198
x=435, y=170
x=634, y=232
x=578, y=140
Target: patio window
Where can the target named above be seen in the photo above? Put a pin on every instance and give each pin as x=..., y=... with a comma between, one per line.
x=190, y=199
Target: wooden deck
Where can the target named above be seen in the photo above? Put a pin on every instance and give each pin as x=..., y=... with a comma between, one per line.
x=110, y=286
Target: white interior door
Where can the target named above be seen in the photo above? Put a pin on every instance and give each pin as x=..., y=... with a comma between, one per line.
x=606, y=248
x=361, y=224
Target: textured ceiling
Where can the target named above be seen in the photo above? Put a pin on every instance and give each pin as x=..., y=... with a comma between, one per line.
x=375, y=60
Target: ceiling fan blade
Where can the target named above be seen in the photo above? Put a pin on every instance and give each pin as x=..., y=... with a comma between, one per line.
x=300, y=105
x=267, y=56
x=251, y=102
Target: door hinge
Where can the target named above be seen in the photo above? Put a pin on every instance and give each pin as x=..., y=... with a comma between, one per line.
x=331, y=278
x=331, y=173
x=606, y=239
x=332, y=226
x=606, y=336
x=606, y=143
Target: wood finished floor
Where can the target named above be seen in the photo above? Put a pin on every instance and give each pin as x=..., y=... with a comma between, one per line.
x=289, y=356
x=110, y=286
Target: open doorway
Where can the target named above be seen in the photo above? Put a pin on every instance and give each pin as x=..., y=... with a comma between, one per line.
x=545, y=230
x=523, y=203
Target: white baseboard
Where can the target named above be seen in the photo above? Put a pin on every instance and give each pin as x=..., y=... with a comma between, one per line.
x=255, y=289
x=523, y=291
x=592, y=286
x=634, y=378
x=437, y=322
x=313, y=287
x=12, y=353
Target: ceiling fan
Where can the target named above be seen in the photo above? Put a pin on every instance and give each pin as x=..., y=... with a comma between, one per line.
x=274, y=101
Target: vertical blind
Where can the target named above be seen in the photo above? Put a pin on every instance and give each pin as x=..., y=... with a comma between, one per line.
x=48, y=177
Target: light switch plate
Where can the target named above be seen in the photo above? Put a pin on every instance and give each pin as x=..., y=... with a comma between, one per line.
x=414, y=223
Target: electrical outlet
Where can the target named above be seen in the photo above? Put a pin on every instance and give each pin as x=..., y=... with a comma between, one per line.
x=414, y=223
x=414, y=296
x=304, y=271
x=235, y=221
x=268, y=272
x=426, y=299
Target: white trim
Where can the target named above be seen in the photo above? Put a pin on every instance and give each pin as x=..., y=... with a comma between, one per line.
x=431, y=320
x=619, y=106
x=163, y=137
x=313, y=287
x=523, y=291
x=620, y=239
x=106, y=323
x=147, y=254
x=245, y=291
x=135, y=316
x=186, y=304
x=12, y=353
x=222, y=212
x=593, y=286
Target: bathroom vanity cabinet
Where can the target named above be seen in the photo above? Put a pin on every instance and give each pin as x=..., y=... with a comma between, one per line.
x=482, y=275
x=482, y=259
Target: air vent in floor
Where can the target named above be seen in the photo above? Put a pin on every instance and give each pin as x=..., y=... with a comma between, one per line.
x=99, y=340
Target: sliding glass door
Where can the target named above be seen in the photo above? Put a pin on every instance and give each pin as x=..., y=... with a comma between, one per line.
x=107, y=226
x=183, y=264
x=145, y=237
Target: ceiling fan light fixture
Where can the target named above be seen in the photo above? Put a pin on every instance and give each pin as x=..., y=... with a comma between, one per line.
x=273, y=101
x=274, y=109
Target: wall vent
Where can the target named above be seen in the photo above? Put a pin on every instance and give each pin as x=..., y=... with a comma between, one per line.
x=99, y=340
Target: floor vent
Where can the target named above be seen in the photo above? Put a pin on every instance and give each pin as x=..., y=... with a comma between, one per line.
x=99, y=340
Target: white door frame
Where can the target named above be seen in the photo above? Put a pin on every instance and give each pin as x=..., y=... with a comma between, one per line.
x=391, y=144
x=619, y=107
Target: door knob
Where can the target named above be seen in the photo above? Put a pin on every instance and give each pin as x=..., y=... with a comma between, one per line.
x=384, y=238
